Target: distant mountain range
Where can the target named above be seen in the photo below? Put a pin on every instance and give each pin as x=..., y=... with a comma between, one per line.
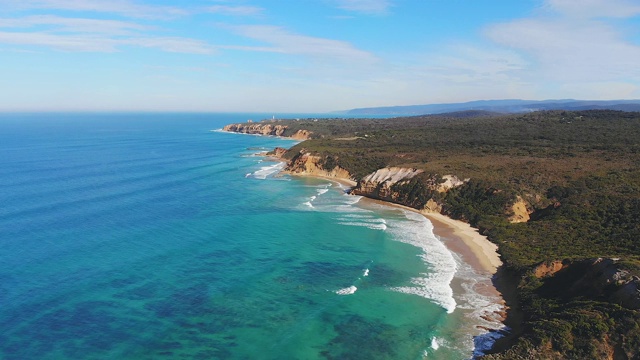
x=502, y=106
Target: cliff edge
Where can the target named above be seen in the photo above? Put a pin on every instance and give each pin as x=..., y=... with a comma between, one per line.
x=305, y=163
x=269, y=129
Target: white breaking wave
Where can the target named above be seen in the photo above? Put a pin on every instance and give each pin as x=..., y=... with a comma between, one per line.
x=351, y=199
x=435, y=285
x=346, y=205
x=347, y=291
x=268, y=170
x=481, y=308
x=358, y=216
x=322, y=191
x=309, y=203
x=370, y=218
x=372, y=226
x=434, y=343
x=364, y=221
x=366, y=272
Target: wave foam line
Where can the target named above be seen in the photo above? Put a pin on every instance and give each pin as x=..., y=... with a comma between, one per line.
x=483, y=309
x=434, y=343
x=358, y=216
x=363, y=219
x=435, y=285
x=364, y=224
x=347, y=291
x=268, y=170
x=352, y=199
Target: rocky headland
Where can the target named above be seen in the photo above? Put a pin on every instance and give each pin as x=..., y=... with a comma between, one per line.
x=268, y=129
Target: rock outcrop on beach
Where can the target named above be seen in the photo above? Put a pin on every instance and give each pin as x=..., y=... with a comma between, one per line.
x=268, y=129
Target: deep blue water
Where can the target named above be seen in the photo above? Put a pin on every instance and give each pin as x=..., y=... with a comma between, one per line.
x=149, y=236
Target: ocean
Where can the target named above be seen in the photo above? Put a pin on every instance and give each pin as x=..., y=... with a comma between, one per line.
x=154, y=236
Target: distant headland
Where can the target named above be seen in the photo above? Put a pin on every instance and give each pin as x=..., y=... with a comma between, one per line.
x=501, y=106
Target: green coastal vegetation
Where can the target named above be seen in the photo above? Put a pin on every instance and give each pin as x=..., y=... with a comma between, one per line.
x=573, y=265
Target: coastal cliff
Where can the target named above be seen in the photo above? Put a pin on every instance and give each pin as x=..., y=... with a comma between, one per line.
x=268, y=129
x=304, y=163
x=379, y=183
x=588, y=308
x=407, y=186
x=599, y=278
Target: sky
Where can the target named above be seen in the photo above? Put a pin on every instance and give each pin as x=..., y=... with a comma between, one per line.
x=311, y=56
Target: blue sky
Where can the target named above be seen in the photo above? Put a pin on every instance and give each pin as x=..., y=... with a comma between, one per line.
x=311, y=55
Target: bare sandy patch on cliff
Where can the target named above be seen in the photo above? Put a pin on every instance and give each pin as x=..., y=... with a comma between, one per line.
x=349, y=138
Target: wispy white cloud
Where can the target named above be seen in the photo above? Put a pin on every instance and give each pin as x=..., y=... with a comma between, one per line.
x=470, y=64
x=122, y=7
x=83, y=43
x=235, y=10
x=281, y=40
x=87, y=34
x=594, y=8
x=64, y=24
x=566, y=48
x=171, y=44
x=101, y=43
x=375, y=7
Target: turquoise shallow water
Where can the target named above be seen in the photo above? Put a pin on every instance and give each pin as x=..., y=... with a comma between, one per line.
x=146, y=236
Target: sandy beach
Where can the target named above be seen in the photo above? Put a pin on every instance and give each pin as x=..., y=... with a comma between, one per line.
x=481, y=253
x=474, y=248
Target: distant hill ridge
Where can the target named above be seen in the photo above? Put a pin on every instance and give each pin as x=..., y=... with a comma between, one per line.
x=502, y=106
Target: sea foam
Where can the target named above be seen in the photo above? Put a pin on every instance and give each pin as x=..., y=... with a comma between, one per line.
x=371, y=226
x=435, y=285
x=267, y=170
x=347, y=291
x=481, y=308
